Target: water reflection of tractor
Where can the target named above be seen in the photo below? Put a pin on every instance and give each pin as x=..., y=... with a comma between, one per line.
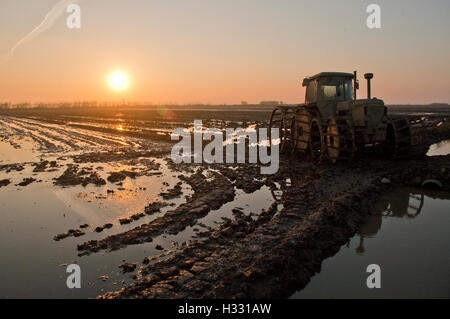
x=333, y=124
x=403, y=202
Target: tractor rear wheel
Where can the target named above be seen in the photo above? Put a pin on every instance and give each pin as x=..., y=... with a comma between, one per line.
x=398, y=138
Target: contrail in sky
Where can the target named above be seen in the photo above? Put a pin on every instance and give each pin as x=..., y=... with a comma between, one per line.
x=49, y=20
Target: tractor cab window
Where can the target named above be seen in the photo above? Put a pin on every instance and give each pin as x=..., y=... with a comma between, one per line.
x=311, y=92
x=348, y=89
x=335, y=89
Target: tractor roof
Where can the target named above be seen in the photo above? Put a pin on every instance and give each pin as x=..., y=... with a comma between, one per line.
x=324, y=74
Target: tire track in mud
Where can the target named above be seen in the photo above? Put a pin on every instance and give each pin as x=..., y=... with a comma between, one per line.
x=208, y=195
x=278, y=253
x=233, y=247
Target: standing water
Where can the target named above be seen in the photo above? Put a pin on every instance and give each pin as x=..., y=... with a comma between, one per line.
x=407, y=237
x=441, y=148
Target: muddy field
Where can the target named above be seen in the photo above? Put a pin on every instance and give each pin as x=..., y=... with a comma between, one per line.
x=97, y=187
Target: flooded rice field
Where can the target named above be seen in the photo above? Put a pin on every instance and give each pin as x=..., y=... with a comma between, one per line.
x=99, y=189
x=57, y=179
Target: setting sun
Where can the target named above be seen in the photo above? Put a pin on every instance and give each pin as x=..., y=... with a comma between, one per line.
x=118, y=81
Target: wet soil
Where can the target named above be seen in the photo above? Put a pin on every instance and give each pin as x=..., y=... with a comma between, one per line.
x=247, y=253
x=279, y=252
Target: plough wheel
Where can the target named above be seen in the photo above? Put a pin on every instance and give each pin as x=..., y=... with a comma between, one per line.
x=281, y=118
x=301, y=134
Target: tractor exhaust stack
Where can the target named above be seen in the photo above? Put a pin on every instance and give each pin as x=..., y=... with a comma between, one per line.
x=368, y=77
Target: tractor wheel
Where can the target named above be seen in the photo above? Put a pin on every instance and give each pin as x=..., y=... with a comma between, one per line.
x=316, y=144
x=301, y=130
x=340, y=140
x=398, y=138
x=281, y=118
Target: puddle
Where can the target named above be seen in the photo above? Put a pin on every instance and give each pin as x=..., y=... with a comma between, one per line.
x=30, y=217
x=408, y=238
x=441, y=148
x=248, y=203
x=10, y=154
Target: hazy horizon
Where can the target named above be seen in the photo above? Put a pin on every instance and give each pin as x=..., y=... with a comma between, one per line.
x=212, y=52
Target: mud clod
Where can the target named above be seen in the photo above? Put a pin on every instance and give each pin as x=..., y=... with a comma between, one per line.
x=137, y=216
x=99, y=229
x=26, y=181
x=43, y=165
x=73, y=176
x=154, y=208
x=4, y=182
x=70, y=232
x=116, y=177
x=124, y=221
x=12, y=167
x=128, y=267
x=174, y=192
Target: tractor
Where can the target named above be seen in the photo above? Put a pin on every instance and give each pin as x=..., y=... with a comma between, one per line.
x=334, y=125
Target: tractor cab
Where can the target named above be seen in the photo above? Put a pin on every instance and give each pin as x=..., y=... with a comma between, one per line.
x=326, y=90
x=329, y=87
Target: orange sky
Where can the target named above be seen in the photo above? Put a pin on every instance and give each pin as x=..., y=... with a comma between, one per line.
x=223, y=51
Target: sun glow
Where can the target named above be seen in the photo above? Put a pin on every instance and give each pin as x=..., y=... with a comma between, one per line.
x=118, y=81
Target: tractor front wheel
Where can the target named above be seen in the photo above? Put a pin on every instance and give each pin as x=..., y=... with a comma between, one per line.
x=340, y=140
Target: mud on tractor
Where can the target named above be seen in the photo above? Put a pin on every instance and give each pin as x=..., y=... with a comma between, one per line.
x=332, y=124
